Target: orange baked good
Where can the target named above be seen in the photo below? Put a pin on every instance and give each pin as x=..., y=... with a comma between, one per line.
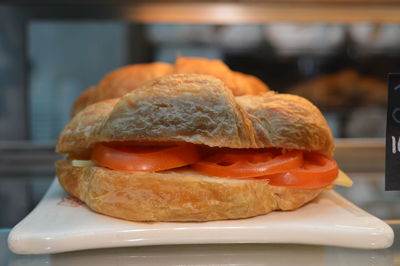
x=128, y=78
x=196, y=110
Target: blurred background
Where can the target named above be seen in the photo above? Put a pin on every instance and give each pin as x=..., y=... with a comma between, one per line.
x=339, y=60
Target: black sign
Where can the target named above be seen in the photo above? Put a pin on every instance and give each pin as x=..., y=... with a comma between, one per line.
x=392, y=176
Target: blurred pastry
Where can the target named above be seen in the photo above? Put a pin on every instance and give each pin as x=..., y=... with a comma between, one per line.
x=345, y=89
x=121, y=81
x=128, y=78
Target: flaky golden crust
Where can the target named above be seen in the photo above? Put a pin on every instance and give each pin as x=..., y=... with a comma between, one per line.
x=181, y=107
x=77, y=136
x=175, y=196
x=200, y=109
x=287, y=121
x=121, y=81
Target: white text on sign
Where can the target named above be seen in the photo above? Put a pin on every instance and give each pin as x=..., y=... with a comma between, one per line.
x=395, y=145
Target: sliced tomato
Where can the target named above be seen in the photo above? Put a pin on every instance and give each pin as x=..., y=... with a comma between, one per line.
x=144, y=159
x=317, y=171
x=248, y=163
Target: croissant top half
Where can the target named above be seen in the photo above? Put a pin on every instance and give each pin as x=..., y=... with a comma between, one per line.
x=199, y=109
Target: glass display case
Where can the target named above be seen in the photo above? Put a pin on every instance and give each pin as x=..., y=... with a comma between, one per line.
x=337, y=53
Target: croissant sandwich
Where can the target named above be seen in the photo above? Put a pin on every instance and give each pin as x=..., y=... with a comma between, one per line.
x=182, y=147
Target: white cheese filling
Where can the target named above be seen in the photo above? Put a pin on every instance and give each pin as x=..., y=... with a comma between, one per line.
x=82, y=163
x=341, y=180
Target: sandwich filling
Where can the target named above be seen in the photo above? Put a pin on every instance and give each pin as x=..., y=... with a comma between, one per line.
x=279, y=167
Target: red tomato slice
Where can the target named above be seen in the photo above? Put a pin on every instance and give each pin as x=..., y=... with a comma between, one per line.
x=317, y=171
x=245, y=164
x=144, y=159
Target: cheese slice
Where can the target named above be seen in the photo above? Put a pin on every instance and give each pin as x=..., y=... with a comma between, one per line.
x=343, y=180
x=82, y=163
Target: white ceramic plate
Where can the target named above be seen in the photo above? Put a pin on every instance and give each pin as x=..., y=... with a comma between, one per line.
x=59, y=224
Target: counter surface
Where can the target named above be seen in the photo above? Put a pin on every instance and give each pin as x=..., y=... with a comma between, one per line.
x=223, y=254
